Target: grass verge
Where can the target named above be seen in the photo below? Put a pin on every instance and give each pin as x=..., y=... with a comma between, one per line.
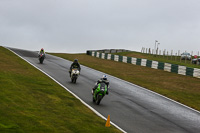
x=32, y=102
x=184, y=89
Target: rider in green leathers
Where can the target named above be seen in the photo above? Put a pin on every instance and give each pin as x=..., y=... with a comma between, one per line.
x=101, y=80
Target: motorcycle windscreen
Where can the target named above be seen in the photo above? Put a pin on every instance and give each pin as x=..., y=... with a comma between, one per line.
x=102, y=87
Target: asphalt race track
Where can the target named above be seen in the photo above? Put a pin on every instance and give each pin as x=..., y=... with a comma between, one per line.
x=133, y=108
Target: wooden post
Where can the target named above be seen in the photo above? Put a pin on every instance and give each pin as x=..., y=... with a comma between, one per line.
x=197, y=58
x=171, y=54
x=176, y=57
x=160, y=52
x=167, y=55
x=185, y=58
x=164, y=53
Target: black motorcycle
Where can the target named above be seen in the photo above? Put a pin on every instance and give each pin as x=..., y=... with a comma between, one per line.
x=41, y=58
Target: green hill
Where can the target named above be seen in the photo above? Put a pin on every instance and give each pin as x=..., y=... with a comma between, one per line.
x=32, y=102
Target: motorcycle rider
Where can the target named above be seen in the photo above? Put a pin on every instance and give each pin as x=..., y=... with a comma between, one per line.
x=75, y=64
x=41, y=52
x=101, y=80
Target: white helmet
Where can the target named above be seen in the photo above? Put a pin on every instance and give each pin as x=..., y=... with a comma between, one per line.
x=104, y=77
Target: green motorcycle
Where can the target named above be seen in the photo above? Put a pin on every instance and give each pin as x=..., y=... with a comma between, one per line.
x=99, y=93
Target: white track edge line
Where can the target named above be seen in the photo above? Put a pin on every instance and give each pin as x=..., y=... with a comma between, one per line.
x=96, y=112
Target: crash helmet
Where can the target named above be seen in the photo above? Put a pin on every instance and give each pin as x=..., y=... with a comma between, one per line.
x=75, y=60
x=42, y=49
x=104, y=77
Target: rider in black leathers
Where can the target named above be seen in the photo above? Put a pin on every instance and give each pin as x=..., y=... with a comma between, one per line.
x=101, y=80
x=75, y=64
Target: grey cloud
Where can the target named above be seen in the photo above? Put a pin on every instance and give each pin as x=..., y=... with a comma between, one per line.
x=77, y=25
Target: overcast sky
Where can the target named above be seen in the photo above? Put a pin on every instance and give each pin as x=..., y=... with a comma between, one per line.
x=78, y=25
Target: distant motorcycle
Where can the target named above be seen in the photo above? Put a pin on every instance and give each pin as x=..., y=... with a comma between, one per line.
x=99, y=93
x=74, y=75
x=41, y=58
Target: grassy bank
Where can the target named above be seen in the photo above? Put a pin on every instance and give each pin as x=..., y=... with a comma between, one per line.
x=32, y=102
x=160, y=58
x=184, y=89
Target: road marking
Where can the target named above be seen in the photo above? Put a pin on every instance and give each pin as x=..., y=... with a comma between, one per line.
x=96, y=112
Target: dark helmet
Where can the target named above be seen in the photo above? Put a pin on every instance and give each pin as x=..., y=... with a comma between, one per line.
x=75, y=60
x=42, y=49
x=104, y=77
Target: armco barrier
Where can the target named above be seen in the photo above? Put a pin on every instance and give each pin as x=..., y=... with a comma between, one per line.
x=182, y=70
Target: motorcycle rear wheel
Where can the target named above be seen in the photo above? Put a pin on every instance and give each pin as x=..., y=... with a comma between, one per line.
x=93, y=99
x=41, y=61
x=98, y=100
